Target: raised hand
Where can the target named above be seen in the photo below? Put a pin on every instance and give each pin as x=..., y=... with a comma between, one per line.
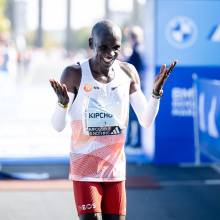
x=162, y=77
x=61, y=91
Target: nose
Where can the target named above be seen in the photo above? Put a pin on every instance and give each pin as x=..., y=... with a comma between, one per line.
x=111, y=53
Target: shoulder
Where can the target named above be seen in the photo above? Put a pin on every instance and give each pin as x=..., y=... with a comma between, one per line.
x=132, y=73
x=71, y=76
x=72, y=71
x=129, y=70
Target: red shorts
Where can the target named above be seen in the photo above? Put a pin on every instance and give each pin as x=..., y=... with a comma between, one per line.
x=104, y=197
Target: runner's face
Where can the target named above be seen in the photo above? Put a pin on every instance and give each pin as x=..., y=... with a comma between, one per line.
x=107, y=49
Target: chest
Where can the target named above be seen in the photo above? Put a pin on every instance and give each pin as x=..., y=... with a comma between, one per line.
x=107, y=94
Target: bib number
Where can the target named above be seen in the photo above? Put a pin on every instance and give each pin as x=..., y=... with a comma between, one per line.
x=98, y=121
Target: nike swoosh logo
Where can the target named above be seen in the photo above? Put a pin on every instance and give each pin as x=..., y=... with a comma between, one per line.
x=113, y=88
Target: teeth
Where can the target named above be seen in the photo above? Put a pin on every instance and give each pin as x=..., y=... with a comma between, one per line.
x=107, y=60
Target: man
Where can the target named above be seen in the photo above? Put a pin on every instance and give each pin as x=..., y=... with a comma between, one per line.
x=96, y=93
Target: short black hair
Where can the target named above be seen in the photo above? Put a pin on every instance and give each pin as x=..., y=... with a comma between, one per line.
x=103, y=27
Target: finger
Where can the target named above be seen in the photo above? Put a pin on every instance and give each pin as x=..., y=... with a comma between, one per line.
x=165, y=77
x=65, y=90
x=57, y=83
x=57, y=87
x=58, y=90
x=52, y=85
x=61, y=89
x=171, y=67
x=55, y=90
x=168, y=71
x=51, y=81
x=175, y=61
x=162, y=69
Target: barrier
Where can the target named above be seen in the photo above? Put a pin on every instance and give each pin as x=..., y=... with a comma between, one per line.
x=207, y=118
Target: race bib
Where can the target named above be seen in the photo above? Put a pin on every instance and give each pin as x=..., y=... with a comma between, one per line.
x=97, y=120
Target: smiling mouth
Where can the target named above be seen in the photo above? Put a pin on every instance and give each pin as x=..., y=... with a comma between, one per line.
x=108, y=60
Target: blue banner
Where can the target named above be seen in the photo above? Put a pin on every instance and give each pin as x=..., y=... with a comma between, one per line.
x=187, y=31
x=208, y=117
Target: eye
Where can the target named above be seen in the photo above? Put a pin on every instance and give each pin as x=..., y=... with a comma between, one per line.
x=103, y=48
x=117, y=48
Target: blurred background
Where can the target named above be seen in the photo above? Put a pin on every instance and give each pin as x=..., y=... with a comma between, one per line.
x=38, y=40
x=181, y=150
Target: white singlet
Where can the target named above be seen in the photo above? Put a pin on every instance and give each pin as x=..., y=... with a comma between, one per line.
x=99, y=118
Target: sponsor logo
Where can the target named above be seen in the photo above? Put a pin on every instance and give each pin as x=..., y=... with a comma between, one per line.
x=113, y=88
x=95, y=87
x=116, y=131
x=87, y=87
x=85, y=207
x=182, y=104
x=181, y=32
x=100, y=115
x=100, y=131
x=215, y=34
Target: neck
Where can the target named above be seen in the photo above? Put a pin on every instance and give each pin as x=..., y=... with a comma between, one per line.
x=97, y=69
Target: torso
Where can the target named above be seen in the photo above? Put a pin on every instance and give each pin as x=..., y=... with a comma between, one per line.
x=107, y=106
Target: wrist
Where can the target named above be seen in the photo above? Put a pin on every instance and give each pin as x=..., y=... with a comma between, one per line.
x=155, y=92
x=157, y=95
x=63, y=102
x=62, y=105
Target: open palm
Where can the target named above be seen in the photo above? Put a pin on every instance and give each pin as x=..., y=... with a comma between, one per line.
x=61, y=91
x=162, y=77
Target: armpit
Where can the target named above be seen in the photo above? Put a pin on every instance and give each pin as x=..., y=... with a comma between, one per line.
x=71, y=77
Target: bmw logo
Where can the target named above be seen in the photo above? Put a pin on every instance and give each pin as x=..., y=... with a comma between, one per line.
x=181, y=32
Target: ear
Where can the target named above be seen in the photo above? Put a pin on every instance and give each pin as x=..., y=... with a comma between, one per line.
x=90, y=43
